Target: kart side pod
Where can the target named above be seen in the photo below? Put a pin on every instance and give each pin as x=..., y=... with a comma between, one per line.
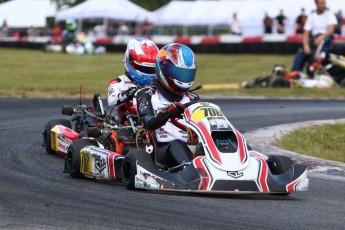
x=61, y=138
x=99, y=163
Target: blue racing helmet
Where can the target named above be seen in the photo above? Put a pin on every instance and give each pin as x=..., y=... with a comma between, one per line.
x=176, y=67
x=71, y=25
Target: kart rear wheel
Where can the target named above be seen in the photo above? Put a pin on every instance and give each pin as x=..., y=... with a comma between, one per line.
x=73, y=156
x=128, y=171
x=47, y=132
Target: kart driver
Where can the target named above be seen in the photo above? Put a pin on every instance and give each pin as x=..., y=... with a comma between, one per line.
x=175, y=71
x=318, y=29
x=69, y=34
x=139, y=62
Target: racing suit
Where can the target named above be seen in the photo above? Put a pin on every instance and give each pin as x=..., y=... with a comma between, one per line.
x=68, y=37
x=117, y=89
x=151, y=106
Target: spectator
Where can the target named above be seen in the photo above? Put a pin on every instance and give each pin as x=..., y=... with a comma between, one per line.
x=69, y=33
x=99, y=31
x=122, y=29
x=281, y=22
x=4, y=29
x=57, y=34
x=300, y=21
x=318, y=30
x=339, y=16
x=235, y=26
x=268, y=24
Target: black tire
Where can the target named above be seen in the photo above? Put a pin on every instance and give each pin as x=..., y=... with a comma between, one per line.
x=279, y=164
x=47, y=132
x=128, y=171
x=249, y=147
x=279, y=82
x=73, y=156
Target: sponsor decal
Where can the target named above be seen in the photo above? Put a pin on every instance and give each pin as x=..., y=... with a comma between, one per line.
x=99, y=163
x=85, y=163
x=143, y=106
x=110, y=91
x=63, y=146
x=205, y=111
x=235, y=174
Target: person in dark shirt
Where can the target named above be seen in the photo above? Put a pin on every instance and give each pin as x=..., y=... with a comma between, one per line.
x=281, y=22
x=300, y=21
x=268, y=24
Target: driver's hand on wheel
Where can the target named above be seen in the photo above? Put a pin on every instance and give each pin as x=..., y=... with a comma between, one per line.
x=175, y=109
x=129, y=93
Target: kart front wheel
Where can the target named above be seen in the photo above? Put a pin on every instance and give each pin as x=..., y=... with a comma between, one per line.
x=128, y=171
x=279, y=164
x=73, y=156
x=47, y=141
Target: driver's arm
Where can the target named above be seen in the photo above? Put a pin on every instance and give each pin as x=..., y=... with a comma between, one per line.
x=151, y=121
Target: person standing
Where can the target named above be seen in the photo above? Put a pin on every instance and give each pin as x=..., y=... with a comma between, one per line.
x=281, y=22
x=300, y=21
x=268, y=24
x=318, y=30
x=235, y=26
x=4, y=29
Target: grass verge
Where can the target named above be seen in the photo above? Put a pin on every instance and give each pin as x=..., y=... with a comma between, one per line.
x=327, y=141
x=32, y=73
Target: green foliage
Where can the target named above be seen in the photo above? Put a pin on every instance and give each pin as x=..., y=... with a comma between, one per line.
x=151, y=4
x=68, y=3
x=1, y=1
x=325, y=141
x=147, y=4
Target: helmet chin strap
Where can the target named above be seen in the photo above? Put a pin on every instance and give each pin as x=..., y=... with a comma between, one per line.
x=171, y=96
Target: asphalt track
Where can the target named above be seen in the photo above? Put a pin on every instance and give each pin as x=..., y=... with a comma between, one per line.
x=35, y=194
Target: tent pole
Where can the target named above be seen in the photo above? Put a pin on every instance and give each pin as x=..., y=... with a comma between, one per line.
x=210, y=30
x=80, y=25
x=185, y=30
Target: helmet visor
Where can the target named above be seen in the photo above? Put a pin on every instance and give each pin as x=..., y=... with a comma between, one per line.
x=180, y=74
x=143, y=69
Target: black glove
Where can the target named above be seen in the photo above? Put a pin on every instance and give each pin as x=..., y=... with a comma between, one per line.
x=175, y=109
x=129, y=93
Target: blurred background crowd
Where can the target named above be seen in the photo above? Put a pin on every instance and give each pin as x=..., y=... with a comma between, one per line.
x=106, y=18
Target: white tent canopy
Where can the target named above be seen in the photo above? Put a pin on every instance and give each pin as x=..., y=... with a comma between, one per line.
x=26, y=13
x=106, y=9
x=249, y=12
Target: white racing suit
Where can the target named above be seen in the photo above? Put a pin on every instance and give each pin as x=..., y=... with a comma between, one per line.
x=150, y=106
x=115, y=89
x=116, y=97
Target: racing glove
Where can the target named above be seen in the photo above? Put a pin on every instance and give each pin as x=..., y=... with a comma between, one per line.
x=129, y=93
x=175, y=109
